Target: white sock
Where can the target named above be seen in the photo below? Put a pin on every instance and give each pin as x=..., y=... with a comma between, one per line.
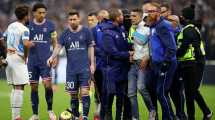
x=16, y=102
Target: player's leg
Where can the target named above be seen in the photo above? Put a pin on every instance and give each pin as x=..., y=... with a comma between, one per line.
x=17, y=101
x=84, y=79
x=71, y=87
x=19, y=77
x=45, y=73
x=33, y=72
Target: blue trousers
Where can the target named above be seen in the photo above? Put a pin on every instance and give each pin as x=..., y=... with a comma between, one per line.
x=163, y=84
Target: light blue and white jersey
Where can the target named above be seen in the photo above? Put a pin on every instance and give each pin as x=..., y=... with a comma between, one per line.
x=141, y=48
x=16, y=33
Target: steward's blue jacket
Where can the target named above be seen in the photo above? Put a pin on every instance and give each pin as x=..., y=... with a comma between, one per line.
x=162, y=41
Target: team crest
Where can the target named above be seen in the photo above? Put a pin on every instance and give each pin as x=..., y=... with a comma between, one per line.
x=81, y=37
x=44, y=29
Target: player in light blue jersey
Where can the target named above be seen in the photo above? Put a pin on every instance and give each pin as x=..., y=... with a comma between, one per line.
x=43, y=35
x=17, y=36
x=79, y=46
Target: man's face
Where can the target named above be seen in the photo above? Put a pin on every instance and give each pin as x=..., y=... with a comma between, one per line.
x=135, y=18
x=74, y=21
x=153, y=15
x=165, y=12
x=120, y=17
x=92, y=21
x=40, y=14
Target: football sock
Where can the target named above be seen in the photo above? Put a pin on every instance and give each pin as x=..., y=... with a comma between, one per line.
x=34, y=101
x=74, y=106
x=49, y=97
x=16, y=102
x=86, y=105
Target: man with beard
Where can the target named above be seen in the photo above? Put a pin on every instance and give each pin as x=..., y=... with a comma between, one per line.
x=163, y=57
x=79, y=45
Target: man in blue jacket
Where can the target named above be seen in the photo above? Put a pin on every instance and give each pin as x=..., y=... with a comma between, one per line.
x=163, y=57
x=117, y=55
x=97, y=33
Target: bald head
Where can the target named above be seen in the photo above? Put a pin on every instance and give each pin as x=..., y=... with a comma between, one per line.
x=146, y=6
x=174, y=19
x=102, y=14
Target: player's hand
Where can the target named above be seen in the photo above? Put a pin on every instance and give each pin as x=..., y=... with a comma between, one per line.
x=131, y=53
x=50, y=61
x=55, y=62
x=32, y=44
x=92, y=68
x=3, y=62
x=144, y=63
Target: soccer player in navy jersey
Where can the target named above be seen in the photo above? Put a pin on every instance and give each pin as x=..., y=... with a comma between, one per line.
x=79, y=45
x=43, y=35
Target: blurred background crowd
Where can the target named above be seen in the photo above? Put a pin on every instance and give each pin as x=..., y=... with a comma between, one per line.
x=57, y=9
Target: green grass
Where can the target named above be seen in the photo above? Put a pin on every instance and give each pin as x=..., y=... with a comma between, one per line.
x=61, y=101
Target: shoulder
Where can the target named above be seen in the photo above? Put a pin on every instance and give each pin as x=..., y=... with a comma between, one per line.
x=49, y=22
x=23, y=27
x=164, y=26
x=190, y=31
x=85, y=29
x=65, y=31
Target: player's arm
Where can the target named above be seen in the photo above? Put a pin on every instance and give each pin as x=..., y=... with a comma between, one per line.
x=91, y=56
x=91, y=51
x=51, y=61
x=27, y=43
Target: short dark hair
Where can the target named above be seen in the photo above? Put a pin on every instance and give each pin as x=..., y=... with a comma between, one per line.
x=38, y=5
x=21, y=11
x=114, y=13
x=138, y=10
x=73, y=12
x=92, y=14
x=166, y=5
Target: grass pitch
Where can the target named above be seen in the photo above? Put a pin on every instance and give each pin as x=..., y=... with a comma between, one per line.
x=62, y=100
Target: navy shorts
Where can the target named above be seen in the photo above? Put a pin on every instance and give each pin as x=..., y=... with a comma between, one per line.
x=76, y=81
x=37, y=71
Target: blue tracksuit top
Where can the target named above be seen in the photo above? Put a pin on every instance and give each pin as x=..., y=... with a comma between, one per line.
x=162, y=41
x=116, y=49
x=99, y=52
